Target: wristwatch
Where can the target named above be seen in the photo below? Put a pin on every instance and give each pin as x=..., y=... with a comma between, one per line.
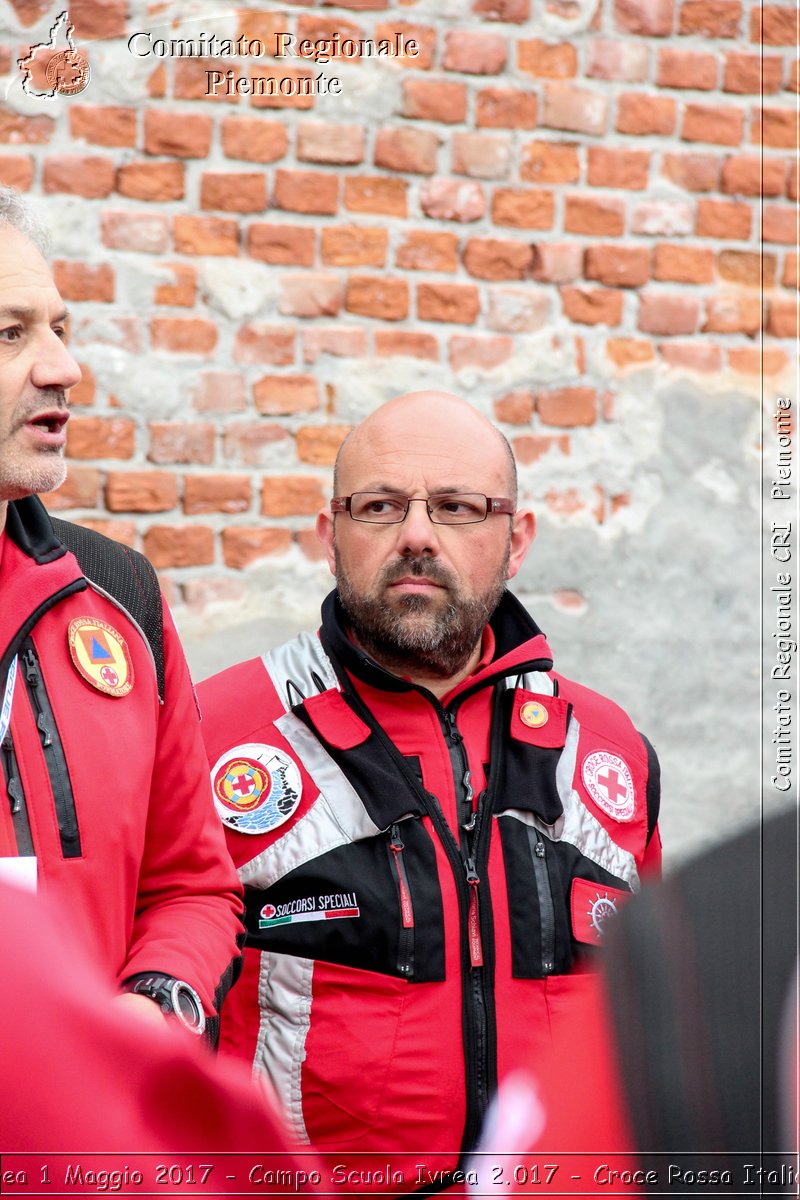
x=174, y=997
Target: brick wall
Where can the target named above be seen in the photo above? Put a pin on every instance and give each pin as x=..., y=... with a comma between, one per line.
x=547, y=207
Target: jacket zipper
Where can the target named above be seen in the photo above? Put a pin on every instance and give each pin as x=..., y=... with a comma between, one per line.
x=16, y=799
x=547, y=919
x=405, y=953
x=60, y=784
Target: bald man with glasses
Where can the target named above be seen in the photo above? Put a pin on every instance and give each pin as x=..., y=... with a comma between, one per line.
x=431, y=825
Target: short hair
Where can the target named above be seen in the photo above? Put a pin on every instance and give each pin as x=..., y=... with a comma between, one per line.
x=15, y=213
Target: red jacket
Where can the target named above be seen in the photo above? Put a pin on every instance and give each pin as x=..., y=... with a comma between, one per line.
x=103, y=784
x=424, y=881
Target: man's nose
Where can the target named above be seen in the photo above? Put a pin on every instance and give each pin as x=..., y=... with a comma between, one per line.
x=54, y=366
x=417, y=534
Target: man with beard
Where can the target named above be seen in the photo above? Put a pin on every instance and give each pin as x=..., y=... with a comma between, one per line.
x=431, y=826
x=103, y=803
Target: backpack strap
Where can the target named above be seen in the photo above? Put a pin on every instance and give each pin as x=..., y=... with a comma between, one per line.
x=127, y=576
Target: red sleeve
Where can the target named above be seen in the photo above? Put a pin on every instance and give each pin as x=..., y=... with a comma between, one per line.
x=189, y=897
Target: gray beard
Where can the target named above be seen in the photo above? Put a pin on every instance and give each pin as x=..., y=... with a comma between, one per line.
x=413, y=634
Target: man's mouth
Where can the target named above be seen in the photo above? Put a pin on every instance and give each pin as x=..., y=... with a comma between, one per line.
x=49, y=426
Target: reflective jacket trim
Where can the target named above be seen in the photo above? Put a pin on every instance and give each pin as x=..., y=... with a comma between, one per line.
x=295, y=664
x=532, y=681
x=336, y=818
x=284, y=998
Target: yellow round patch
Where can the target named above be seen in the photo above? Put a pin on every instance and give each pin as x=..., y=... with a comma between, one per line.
x=100, y=655
x=533, y=714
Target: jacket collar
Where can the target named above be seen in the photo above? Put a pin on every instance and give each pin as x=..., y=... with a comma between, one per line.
x=29, y=527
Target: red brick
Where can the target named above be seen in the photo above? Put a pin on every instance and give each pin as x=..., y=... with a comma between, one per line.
x=547, y=60
x=683, y=264
x=505, y=108
x=118, y=531
x=567, y=407
x=340, y=341
x=693, y=356
x=256, y=444
x=709, y=123
x=618, y=266
x=567, y=106
x=411, y=150
x=516, y=11
x=376, y=194
x=282, y=87
x=625, y=61
x=100, y=437
x=791, y=188
x=747, y=267
x=723, y=219
x=310, y=294
x=379, y=297
x=759, y=362
x=693, y=172
x=17, y=129
x=423, y=35
x=557, y=262
x=599, y=217
x=752, y=74
x=84, y=281
x=179, y=135
x=177, y=442
x=452, y=200
x=327, y=142
x=242, y=545
x=530, y=447
x=774, y=25
x=108, y=330
x=790, y=275
x=592, y=306
x=157, y=82
x=260, y=25
x=493, y=258
x=711, y=18
x=515, y=408
x=517, y=310
x=474, y=52
x=141, y=491
x=81, y=489
x=354, y=246
x=98, y=19
x=523, y=208
x=392, y=342
x=104, y=125
x=733, y=314
x=550, y=162
x=254, y=139
x=665, y=314
x=639, y=114
x=424, y=251
x=457, y=303
x=83, y=393
x=16, y=171
x=319, y=444
x=779, y=224
x=80, y=175
x=481, y=155
x=629, y=352
x=686, y=69
x=306, y=191
x=179, y=545
x=483, y=353
x=650, y=18
x=233, y=191
x=183, y=335
x=219, y=391
x=291, y=495
x=287, y=245
x=776, y=127
x=216, y=493
x=435, y=100
x=182, y=291
x=748, y=175
x=260, y=343
x=158, y=182
x=662, y=218
x=145, y=232
x=206, y=235
x=317, y=27
x=610, y=167
x=282, y=395
x=191, y=80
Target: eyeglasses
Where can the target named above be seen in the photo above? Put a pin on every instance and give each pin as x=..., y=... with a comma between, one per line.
x=451, y=508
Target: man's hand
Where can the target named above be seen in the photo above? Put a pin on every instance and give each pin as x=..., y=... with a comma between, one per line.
x=150, y=1011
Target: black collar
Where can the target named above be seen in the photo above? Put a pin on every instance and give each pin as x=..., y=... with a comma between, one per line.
x=30, y=528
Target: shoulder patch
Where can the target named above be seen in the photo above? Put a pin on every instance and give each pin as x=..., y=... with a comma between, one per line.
x=256, y=787
x=608, y=780
x=100, y=655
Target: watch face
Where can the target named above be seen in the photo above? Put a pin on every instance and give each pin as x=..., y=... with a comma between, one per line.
x=188, y=1008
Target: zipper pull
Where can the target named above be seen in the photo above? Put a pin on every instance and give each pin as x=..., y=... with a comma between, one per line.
x=13, y=788
x=34, y=679
x=396, y=846
x=473, y=920
x=453, y=732
x=31, y=673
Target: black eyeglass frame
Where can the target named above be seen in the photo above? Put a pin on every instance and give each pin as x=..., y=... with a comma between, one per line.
x=494, y=504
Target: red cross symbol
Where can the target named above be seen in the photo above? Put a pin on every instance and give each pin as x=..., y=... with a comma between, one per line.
x=109, y=676
x=243, y=784
x=611, y=785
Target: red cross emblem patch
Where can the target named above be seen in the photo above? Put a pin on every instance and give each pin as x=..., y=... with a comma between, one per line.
x=609, y=782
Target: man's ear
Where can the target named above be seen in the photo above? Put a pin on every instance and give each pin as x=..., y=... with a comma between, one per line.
x=325, y=535
x=523, y=531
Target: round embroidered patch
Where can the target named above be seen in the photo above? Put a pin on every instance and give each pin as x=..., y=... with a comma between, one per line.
x=602, y=908
x=100, y=655
x=256, y=787
x=610, y=784
x=534, y=714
